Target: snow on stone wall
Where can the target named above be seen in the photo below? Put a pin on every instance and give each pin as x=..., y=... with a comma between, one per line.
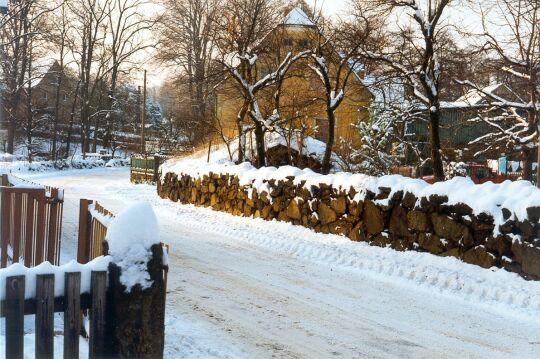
x=488, y=225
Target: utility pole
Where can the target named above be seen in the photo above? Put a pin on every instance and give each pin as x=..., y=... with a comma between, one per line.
x=143, y=116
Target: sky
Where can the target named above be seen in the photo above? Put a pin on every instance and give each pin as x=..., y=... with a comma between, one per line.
x=332, y=7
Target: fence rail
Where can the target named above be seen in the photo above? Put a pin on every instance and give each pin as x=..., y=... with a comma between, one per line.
x=31, y=222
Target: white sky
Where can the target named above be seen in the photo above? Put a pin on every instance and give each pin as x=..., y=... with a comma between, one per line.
x=329, y=6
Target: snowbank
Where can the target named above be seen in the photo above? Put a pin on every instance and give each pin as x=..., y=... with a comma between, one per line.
x=9, y=163
x=130, y=236
x=309, y=147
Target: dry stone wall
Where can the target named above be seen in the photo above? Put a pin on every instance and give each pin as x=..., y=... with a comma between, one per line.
x=402, y=222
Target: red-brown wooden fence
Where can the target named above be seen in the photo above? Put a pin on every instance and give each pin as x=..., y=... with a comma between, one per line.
x=93, y=224
x=30, y=222
x=14, y=307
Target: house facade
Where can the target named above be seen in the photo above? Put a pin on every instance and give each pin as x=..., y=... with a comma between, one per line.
x=458, y=127
x=302, y=103
x=43, y=90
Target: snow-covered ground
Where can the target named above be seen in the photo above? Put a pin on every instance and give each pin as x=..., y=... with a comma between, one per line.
x=246, y=288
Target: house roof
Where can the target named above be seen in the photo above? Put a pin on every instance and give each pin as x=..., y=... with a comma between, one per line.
x=481, y=97
x=39, y=69
x=296, y=17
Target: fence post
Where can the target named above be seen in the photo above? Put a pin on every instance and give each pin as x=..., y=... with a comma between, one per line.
x=45, y=316
x=85, y=222
x=156, y=168
x=5, y=227
x=14, y=310
x=136, y=320
x=97, y=315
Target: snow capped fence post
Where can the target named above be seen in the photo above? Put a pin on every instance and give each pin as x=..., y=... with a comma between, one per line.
x=136, y=296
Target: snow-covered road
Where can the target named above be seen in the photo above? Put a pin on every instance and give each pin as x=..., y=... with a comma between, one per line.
x=246, y=288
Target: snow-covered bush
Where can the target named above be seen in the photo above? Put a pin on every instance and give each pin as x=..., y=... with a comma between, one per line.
x=455, y=169
x=377, y=154
x=77, y=162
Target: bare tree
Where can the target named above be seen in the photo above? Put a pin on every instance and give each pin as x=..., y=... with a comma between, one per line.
x=511, y=33
x=89, y=18
x=336, y=64
x=420, y=66
x=126, y=39
x=261, y=122
x=246, y=24
x=187, y=40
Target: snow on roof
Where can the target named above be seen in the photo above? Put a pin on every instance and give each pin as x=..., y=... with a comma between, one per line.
x=297, y=16
x=39, y=69
x=475, y=97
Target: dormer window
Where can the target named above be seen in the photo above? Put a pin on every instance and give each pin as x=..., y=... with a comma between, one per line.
x=45, y=96
x=287, y=41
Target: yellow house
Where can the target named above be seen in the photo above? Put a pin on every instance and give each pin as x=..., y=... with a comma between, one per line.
x=302, y=103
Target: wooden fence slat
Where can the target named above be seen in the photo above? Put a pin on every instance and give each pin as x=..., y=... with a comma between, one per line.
x=83, y=249
x=45, y=316
x=18, y=217
x=29, y=232
x=41, y=229
x=14, y=307
x=53, y=217
x=5, y=219
x=60, y=210
x=72, y=315
x=97, y=314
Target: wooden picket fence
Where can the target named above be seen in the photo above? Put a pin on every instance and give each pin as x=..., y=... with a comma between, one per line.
x=14, y=307
x=92, y=230
x=31, y=222
x=103, y=298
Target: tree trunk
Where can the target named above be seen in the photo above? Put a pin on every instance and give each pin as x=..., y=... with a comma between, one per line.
x=241, y=134
x=11, y=133
x=56, y=112
x=436, y=157
x=538, y=164
x=326, y=164
x=259, y=139
x=527, y=165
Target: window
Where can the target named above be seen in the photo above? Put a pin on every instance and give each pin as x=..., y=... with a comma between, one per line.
x=287, y=41
x=45, y=95
x=303, y=44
